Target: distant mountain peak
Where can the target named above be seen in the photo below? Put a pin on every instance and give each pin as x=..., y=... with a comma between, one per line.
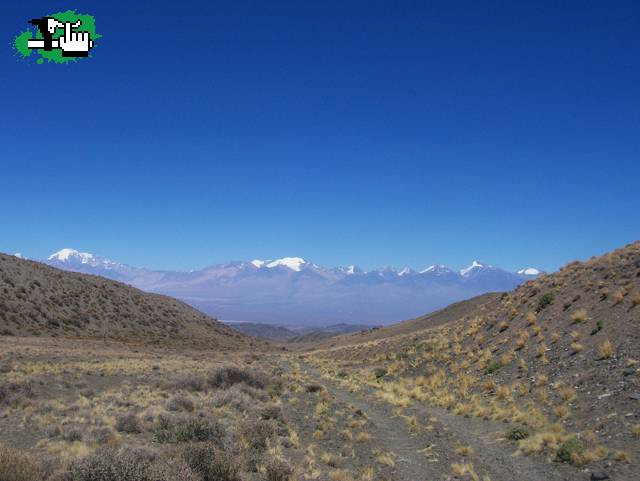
x=436, y=269
x=349, y=270
x=258, y=263
x=73, y=257
x=405, y=271
x=293, y=263
x=19, y=255
x=475, y=265
x=67, y=253
x=529, y=271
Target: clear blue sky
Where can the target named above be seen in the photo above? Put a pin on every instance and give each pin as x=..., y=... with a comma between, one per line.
x=373, y=132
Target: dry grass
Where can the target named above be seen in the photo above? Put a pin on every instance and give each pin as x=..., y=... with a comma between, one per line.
x=19, y=466
x=576, y=347
x=579, y=316
x=363, y=437
x=567, y=393
x=464, y=450
x=606, y=349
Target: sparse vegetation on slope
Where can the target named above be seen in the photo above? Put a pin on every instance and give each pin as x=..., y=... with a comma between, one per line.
x=38, y=300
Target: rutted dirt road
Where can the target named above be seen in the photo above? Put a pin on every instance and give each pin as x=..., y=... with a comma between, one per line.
x=428, y=454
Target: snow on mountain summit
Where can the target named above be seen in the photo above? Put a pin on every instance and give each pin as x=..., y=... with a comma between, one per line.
x=529, y=271
x=293, y=263
x=436, y=269
x=73, y=257
x=67, y=253
x=474, y=266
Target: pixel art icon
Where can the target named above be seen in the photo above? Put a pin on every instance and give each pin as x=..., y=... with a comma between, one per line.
x=60, y=37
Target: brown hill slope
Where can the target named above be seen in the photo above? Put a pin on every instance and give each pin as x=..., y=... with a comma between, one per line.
x=559, y=356
x=38, y=300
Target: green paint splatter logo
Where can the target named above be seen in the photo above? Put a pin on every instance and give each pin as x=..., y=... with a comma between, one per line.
x=60, y=37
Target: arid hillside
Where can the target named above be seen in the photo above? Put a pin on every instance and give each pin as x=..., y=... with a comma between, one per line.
x=555, y=360
x=37, y=300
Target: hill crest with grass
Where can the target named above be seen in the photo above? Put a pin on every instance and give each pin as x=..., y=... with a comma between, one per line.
x=38, y=300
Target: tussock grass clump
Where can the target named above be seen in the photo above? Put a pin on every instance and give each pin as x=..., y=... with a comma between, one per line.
x=464, y=450
x=567, y=393
x=579, y=316
x=531, y=319
x=606, y=350
x=576, y=347
x=618, y=296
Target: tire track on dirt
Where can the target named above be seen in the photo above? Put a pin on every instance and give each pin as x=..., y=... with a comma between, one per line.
x=493, y=458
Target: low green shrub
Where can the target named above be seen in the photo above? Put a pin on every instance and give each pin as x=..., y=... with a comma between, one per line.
x=570, y=448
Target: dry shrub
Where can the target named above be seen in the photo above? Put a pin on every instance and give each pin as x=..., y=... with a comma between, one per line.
x=278, y=470
x=128, y=423
x=256, y=433
x=180, y=402
x=271, y=412
x=110, y=464
x=233, y=397
x=14, y=393
x=187, y=428
x=225, y=377
x=211, y=462
x=188, y=382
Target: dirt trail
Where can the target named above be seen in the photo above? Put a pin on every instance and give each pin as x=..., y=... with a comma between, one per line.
x=492, y=457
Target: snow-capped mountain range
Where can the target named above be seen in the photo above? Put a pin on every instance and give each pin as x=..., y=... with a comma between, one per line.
x=292, y=290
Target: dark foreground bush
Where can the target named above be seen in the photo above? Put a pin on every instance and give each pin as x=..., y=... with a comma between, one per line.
x=226, y=377
x=18, y=466
x=182, y=429
x=110, y=464
x=211, y=462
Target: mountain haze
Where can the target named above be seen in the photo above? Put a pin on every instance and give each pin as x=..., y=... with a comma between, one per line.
x=294, y=291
